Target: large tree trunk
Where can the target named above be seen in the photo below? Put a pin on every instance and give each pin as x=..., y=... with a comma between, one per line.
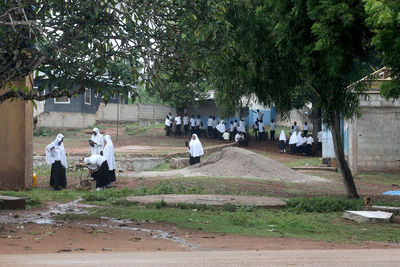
x=341, y=161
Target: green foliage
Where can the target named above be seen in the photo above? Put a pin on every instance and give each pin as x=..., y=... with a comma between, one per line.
x=107, y=195
x=322, y=204
x=45, y=131
x=384, y=20
x=109, y=46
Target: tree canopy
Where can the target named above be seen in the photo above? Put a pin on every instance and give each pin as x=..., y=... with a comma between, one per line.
x=384, y=20
x=107, y=45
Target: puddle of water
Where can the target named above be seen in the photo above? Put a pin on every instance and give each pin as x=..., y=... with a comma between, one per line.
x=46, y=217
x=158, y=233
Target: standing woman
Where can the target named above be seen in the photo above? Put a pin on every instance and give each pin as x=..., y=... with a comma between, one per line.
x=96, y=142
x=55, y=155
x=167, y=126
x=110, y=157
x=282, y=141
x=195, y=150
x=293, y=142
x=99, y=170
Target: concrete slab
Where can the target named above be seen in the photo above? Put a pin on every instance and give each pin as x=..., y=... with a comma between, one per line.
x=383, y=208
x=316, y=168
x=213, y=200
x=12, y=203
x=367, y=216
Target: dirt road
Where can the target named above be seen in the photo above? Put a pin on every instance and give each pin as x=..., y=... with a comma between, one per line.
x=320, y=258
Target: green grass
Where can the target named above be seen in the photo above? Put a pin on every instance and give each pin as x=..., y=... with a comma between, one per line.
x=257, y=222
x=303, y=162
x=381, y=178
x=37, y=196
x=162, y=167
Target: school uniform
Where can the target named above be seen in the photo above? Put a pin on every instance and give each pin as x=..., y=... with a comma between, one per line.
x=101, y=173
x=186, y=124
x=56, y=157
x=195, y=150
x=319, y=137
x=272, y=131
x=215, y=131
x=97, y=143
x=231, y=131
x=167, y=127
x=198, y=123
x=110, y=157
x=178, y=123
x=210, y=127
x=255, y=129
x=261, y=131
x=309, y=142
x=221, y=128
x=300, y=144
x=192, y=126
x=293, y=142
x=282, y=141
x=305, y=129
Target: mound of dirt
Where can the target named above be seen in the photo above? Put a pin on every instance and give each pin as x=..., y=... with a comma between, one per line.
x=238, y=162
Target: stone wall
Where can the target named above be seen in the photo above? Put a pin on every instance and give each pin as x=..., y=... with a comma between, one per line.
x=374, y=143
x=110, y=112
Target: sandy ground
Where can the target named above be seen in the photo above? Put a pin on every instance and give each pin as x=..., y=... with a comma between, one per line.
x=239, y=162
x=310, y=258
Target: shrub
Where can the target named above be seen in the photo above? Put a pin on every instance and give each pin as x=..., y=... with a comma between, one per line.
x=322, y=204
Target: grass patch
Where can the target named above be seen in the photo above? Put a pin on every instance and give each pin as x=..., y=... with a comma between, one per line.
x=257, y=222
x=323, y=204
x=381, y=178
x=303, y=162
x=37, y=196
x=162, y=167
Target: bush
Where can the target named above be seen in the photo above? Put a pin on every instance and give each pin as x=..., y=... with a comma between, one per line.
x=44, y=131
x=322, y=204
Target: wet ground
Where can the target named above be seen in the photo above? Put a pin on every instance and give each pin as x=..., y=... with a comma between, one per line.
x=38, y=232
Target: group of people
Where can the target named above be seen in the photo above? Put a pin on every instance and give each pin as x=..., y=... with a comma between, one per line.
x=300, y=142
x=101, y=163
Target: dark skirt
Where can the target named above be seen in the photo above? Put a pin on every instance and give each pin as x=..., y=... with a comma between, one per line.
x=112, y=176
x=293, y=149
x=194, y=160
x=57, y=175
x=282, y=145
x=102, y=175
x=309, y=150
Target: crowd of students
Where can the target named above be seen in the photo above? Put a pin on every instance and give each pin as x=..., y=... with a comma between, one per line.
x=101, y=163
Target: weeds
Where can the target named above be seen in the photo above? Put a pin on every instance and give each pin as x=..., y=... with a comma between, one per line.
x=322, y=204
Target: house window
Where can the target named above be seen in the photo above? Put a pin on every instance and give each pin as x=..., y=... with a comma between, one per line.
x=88, y=96
x=62, y=100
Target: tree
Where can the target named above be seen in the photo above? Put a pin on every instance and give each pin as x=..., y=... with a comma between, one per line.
x=384, y=20
x=107, y=45
x=280, y=50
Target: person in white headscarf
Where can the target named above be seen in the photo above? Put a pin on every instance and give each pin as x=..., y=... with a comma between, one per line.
x=195, y=150
x=56, y=157
x=99, y=170
x=110, y=157
x=300, y=143
x=293, y=142
x=96, y=142
x=282, y=141
x=242, y=126
x=221, y=129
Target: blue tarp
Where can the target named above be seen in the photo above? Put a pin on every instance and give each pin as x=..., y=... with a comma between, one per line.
x=392, y=193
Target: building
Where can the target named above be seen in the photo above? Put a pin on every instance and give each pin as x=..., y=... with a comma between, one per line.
x=371, y=142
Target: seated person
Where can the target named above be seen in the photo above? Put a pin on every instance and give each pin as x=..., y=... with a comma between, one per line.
x=225, y=136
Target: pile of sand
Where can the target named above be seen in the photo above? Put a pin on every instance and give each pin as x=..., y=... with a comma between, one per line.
x=238, y=162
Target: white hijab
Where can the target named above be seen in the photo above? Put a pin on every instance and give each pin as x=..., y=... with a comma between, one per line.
x=109, y=152
x=195, y=147
x=51, y=154
x=99, y=140
x=300, y=139
x=282, y=136
x=94, y=161
x=221, y=127
x=293, y=138
x=242, y=127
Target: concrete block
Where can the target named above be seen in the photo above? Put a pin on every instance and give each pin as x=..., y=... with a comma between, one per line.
x=12, y=203
x=368, y=216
